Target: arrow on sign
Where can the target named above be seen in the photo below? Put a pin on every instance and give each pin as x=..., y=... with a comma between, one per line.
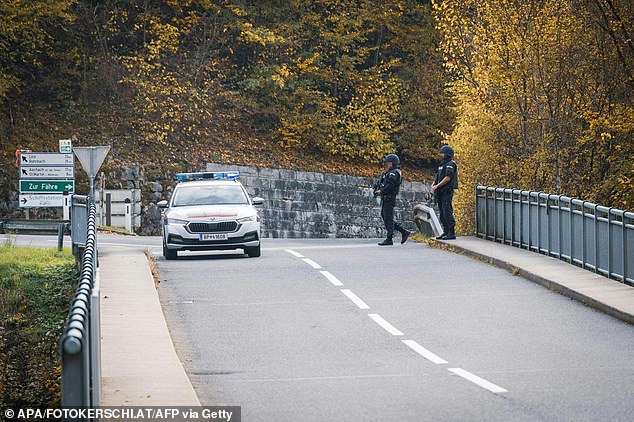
x=24, y=200
x=68, y=187
x=24, y=159
x=24, y=172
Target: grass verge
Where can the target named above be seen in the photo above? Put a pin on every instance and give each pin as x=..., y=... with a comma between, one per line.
x=114, y=230
x=36, y=287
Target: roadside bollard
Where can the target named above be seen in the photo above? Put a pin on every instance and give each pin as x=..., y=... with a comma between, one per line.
x=128, y=215
x=66, y=206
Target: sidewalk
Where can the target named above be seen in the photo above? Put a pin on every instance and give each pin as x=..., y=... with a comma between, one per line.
x=139, y=364
x=609, y=296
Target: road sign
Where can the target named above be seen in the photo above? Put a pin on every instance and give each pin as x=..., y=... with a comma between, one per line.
x=47, y=186
x=47, y=172
x=91, y=158
x=39, y=200
x=46, y=159
x=65, y=146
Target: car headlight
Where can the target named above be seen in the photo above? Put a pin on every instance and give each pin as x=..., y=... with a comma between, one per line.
x=177, y=221
x=247, y=219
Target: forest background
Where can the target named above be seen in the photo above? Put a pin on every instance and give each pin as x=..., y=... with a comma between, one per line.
x=532, y=94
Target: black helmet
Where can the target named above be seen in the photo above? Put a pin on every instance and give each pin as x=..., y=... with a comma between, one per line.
x=447, y=150
x=392, y=158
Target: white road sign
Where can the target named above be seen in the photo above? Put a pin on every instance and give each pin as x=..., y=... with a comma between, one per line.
x=91, y=158
x=41, y=200
x=47, y=172
x=46, y=159
x=66, y=146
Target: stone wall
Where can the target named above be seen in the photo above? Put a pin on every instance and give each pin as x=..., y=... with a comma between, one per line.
x=317, y=205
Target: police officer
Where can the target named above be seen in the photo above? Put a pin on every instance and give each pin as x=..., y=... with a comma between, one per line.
x=444, y=184
x=387, y=188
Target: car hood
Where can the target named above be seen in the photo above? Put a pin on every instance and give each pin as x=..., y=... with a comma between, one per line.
x=215, y=212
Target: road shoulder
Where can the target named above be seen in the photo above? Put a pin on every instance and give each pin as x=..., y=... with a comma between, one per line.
x=608, y=296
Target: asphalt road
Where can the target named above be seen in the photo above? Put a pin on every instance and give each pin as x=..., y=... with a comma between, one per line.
x=399, y=333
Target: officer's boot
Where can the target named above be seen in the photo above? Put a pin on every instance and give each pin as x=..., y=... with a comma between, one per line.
x=405, y=234
x=387, y=241
x=451, y=235
x=443, y=235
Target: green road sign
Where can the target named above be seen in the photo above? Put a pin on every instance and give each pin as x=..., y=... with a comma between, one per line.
x=47, y=186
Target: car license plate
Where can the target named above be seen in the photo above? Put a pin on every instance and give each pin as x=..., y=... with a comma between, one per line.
x=214, y=236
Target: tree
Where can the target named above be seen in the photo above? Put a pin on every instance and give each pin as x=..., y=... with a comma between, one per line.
x=537, y=70
x=27, y=39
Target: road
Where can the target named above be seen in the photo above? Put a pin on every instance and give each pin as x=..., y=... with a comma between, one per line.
x=345, y=330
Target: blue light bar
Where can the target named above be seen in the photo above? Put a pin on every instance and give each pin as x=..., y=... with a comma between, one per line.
x=208, y=175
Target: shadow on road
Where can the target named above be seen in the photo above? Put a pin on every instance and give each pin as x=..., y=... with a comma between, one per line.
x=206, y=257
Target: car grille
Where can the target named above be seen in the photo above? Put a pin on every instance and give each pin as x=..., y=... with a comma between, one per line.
x=224, y=226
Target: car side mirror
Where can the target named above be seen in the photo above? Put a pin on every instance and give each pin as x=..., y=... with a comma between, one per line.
x=162, y=204
x=257, y=201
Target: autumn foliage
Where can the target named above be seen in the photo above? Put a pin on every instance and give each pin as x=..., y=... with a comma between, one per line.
x=544, y=95
x=532, y=94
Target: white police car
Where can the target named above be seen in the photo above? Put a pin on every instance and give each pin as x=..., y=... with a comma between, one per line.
x=210, y=211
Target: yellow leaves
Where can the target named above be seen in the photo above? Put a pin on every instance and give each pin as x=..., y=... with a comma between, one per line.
x=310, y=64
x=259, y=35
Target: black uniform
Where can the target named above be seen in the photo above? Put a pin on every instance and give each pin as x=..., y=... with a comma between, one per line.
x=390, y=185
x=444, y=194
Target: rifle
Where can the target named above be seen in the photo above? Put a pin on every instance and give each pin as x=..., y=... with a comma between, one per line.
x=377, y=185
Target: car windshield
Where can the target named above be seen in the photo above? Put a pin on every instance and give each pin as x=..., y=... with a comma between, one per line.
x=209, y=195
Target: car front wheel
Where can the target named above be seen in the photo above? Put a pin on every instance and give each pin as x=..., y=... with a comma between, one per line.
x=253, y=251
x=168, y=253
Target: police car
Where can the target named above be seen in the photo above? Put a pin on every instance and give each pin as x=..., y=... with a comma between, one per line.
x=210, y=211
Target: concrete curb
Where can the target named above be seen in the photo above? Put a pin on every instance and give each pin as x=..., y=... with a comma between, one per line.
x=546, y=282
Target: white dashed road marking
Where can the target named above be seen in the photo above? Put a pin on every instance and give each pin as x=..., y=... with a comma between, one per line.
x=396, y=332
x=477, y=380
x=424, y=352
x=295, y=254
x=355, y=299
x=386, y=325
x=334, y=280
x=312, y=263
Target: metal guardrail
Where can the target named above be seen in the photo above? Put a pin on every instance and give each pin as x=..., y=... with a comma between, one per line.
x=591, y=236
x=80, y=343
x=427, y=221
x=33, y=226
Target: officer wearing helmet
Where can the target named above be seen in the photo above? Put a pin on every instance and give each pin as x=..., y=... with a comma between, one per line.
x=387, y=188
x=444, y=184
